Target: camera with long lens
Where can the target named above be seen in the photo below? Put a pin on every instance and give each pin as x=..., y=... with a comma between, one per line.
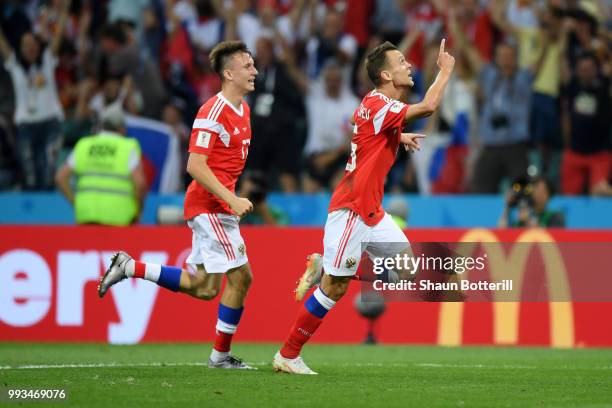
x=522, y=194
x=259, y=187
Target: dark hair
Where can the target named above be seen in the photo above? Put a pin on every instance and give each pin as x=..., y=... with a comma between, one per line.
x=507, y=44
x=259, y=186
x=41, y=48
x=542, y=179
x=587, y=55
x=126, y=24
x=205, y=8
x=67, y=48
x=583, y=16
x=219, y=55
x=376, y=61
x=114, y=32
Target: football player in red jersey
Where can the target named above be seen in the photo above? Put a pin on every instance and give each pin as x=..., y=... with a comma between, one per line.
x=218, y=149
x=356, y=219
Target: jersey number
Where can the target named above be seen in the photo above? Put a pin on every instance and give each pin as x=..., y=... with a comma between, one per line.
x=245, y=148
x=350, y=166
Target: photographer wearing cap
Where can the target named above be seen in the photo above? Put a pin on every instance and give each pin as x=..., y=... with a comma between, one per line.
x=530, y=197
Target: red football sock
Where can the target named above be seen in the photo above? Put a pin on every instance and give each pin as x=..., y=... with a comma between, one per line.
x=303, y=329
x=223, y=341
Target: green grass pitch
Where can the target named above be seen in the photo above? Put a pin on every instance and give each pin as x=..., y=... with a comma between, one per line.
x=174, y=375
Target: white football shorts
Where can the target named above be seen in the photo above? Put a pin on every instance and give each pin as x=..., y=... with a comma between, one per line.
x=216, y=242
x=347, y=237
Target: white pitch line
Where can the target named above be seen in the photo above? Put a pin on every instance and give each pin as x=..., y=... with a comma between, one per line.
x=265, y=363
x=507, y=367
x=157, y=364
x=100, y=365
x=504, y=366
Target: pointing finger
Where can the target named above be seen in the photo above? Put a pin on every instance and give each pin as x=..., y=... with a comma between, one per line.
x=442, y=43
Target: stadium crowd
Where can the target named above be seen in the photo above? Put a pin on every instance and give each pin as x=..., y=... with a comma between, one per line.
x=531, y=91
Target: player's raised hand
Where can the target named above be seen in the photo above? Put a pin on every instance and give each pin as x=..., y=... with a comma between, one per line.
x=241, y=206
x=446, y=62
x=411, y=141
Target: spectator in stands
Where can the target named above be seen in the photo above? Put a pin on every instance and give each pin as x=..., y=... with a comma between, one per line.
x=505, y=92
x=545, y=114
x=66, y=74
x=427, y=17
x=186, y=73
x=47, y=15
x=586, y=110
x=122, y=56
x=153, y=34
x=207, y=27
x=78, y=122
x=277, y=114
x=241, y=24
x=330, y=42
x=329, y=130
x=475, y=23
x=110, y=180
x=451, y=129
x=162, y=46
x=583, y=35
x=518, y=23
x=541, y=48
x=92, y=100
x=38, y=109
x=293, y=24
x=530, y=199
x=15, y=22
x=185, y=12
x=389, y=20
x=172, y=116
x=116, y=90
x=132, y=10
x=357, y=23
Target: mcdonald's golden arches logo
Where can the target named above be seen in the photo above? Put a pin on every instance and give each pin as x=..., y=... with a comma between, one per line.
x=506, y=314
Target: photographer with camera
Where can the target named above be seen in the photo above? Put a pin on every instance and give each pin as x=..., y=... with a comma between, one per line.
x=505, y=95
x=530, y=198
x=254, y=186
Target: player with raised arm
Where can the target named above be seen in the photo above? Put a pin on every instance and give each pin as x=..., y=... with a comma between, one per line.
x=218, y=149
x=356, y=215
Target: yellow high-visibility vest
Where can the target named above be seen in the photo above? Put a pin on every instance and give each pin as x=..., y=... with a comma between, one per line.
x=105, y=192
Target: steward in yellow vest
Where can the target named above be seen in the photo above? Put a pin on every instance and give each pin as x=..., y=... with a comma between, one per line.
x=110, y=182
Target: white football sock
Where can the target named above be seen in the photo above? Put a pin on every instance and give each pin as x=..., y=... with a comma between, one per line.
x=218, y=356
x=130, y=267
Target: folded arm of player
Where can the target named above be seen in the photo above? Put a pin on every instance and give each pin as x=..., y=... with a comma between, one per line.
x=433, y=97
x=197, y=167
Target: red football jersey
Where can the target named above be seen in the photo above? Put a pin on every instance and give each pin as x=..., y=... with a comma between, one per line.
x=223, y=133
x=378, y=126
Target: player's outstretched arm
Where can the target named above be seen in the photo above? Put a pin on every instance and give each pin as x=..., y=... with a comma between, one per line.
x=433, y=97
x=411, y=141
x=197, y=167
